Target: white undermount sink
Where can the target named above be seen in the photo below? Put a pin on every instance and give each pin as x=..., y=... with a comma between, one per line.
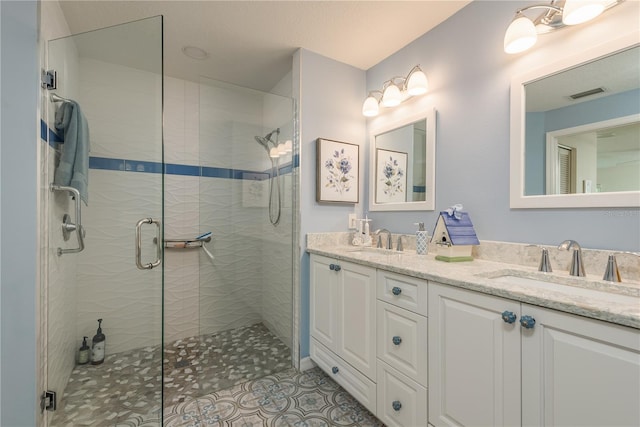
x=374, y=250
x=579, y=286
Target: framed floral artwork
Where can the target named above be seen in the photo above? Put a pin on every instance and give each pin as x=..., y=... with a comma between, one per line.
x=337, y=171
x=391, y=176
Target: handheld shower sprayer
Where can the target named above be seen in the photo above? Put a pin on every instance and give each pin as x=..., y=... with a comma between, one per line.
x=274, y=197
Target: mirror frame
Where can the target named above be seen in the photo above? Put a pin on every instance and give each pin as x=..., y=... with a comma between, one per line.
x=517, y=136
x=430, y=165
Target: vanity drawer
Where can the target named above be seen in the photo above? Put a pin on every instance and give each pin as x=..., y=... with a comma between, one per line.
x=402, y=340
x=401, y=401
x=349, y=378
x=403, y=291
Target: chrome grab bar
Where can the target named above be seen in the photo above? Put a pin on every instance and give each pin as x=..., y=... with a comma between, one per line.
x=156, y=263
x=68, y=227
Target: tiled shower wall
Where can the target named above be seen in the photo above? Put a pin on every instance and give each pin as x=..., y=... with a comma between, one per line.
x=250, y=279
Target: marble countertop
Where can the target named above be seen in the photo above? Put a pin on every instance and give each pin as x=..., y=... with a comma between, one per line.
x=477, y=275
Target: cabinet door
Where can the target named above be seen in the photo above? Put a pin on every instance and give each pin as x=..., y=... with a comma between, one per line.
x=357, y=326
x=578, y=371
x=402, y=341
x=323, y=309
x=474, y=359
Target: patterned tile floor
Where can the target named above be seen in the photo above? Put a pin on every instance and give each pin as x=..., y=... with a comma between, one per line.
x=288, y=398
x=235, y=378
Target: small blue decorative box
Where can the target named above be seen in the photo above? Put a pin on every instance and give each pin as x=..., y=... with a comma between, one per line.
x=454, y=236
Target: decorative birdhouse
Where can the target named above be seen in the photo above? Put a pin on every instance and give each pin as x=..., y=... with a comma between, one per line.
x=454, y=235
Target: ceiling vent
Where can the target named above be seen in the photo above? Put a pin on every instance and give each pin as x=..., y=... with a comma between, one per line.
x=586, y=93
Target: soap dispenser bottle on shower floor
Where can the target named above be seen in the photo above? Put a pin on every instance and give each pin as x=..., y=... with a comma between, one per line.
x=97, y=345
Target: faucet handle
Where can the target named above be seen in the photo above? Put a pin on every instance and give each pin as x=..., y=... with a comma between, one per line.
x=545, y=264
x=612, y=274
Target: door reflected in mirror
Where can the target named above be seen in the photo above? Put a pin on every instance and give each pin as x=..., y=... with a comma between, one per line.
x=402, y=163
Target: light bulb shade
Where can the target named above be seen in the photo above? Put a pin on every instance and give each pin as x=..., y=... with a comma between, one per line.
x=520, y=35
x=391, y=96
x=370, y=107
x=273, y=153
x=417, y=83
x=579, y=11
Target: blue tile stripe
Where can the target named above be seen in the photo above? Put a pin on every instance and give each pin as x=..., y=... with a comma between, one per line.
x=126, y=165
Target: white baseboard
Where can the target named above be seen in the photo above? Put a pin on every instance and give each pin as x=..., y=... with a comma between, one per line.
x=306, y=364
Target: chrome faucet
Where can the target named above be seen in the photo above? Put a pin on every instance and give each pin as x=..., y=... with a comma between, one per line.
x=577, y=266
x=379, y=232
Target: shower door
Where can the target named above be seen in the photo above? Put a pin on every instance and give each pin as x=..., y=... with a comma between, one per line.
x=115, y=273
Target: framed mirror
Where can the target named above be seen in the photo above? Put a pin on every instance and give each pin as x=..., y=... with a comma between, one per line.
x=402, y=163
x=575, y=130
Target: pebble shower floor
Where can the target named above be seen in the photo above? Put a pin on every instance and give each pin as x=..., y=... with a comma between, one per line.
x=240, y=377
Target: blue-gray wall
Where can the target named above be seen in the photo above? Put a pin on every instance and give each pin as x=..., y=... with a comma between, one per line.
x=18, y=175
x=469, y=77
x=329, y=95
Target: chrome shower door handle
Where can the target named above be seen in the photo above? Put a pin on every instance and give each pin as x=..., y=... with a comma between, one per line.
x=155, y=263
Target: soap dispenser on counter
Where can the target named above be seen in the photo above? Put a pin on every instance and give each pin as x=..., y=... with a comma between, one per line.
x=422, y=239
x=97, y=345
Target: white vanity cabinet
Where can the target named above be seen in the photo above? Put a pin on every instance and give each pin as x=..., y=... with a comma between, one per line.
x=485, y=368
x=343, y=325
x=578, y=371
x=474, y=359
x=402, y=350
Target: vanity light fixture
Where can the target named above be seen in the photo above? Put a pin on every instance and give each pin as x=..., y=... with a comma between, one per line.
x=523, y=31
x=395, y=91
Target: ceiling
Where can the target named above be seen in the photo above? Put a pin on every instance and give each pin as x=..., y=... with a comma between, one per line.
x=613, y=73
x=251, y=43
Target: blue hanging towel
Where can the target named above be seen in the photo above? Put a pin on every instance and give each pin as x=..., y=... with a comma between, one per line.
x=73, y=170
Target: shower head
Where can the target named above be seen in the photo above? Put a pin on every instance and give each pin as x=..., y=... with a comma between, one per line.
x=263, y=141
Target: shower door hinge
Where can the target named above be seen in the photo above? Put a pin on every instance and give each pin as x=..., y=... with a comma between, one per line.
x=49, y=79
x=48, y=401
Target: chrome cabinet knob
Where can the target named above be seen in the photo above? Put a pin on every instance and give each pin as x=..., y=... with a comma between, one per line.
x=335, y=370
x=337, y=267
x=396, y=340
x=527, y=322
x=396, y=290
x=508, y=316
x=396, y=405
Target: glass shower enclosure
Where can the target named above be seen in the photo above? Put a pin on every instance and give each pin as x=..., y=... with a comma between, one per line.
x=103, y=259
